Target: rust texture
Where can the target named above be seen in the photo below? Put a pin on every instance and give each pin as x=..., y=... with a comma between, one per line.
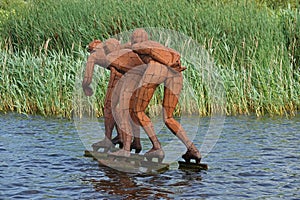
x=137, y=68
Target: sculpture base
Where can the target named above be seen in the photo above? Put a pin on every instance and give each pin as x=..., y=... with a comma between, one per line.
x=134, y=164
x=138, y=163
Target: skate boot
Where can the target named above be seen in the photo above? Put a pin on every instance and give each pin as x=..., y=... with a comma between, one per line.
x=120, y=153
x=136, y=145
x=106, y=144
x=192, y=153
x=117, y=140
x=155, y=153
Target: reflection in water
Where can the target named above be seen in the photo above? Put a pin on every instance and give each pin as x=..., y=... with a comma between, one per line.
x=128, y=186
x=142, y=186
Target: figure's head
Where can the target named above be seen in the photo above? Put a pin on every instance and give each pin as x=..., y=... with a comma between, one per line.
x=93, y=45
x=111, y=45
x=139, y=35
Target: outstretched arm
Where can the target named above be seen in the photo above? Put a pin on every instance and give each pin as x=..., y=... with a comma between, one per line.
x=96, y=58
x=88, y=75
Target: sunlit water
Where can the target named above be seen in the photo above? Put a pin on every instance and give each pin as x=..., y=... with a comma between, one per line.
x=254, y=158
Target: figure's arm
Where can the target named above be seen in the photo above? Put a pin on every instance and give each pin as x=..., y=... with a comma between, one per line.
x=97, y=57
x=88, y=75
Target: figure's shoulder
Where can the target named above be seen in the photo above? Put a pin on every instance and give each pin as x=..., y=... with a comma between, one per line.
x=119, y=53
x=124, y=59
x=126, y=45
x=147, y=47
x=158, y=52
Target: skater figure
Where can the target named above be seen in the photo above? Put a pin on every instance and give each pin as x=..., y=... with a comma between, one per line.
x=157, y=65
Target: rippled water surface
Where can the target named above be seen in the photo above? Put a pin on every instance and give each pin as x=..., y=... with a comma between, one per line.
x=42, y=158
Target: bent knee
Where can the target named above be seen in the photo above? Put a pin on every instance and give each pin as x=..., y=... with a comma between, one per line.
x=172, y=124
x=169, y=121
x=107, y=111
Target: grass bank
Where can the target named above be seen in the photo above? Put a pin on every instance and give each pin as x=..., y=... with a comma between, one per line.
x=256, y=51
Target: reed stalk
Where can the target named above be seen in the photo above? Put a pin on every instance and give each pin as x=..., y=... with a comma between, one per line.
x=255, y=51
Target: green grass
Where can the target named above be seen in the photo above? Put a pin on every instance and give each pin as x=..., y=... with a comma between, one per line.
x=256, y=52
x=37, y=84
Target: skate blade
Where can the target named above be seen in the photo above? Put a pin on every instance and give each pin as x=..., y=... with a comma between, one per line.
x=192, y=166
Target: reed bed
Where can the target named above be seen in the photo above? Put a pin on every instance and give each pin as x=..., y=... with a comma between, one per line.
x=255, y=51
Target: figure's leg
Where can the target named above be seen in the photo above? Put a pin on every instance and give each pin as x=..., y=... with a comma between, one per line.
x=109, y=121
x=125, y=96
x=153, y=76
x=135, y=128
x=136, y=143
x=173, y=86
x=124, y=121
x=115, y=95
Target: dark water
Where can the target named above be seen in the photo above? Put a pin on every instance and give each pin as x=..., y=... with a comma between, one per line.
x=254, y=158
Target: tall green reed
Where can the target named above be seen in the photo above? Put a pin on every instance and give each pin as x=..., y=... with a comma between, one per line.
x=255, y=51
x=41, y=84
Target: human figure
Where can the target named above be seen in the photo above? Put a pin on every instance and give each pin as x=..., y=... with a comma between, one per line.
x=156, y=74
x=124, y=101
x=163, y=66
x=99, y=52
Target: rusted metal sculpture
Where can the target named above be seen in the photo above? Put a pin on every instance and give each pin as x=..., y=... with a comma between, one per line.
x=145, y=66
x=100, y=55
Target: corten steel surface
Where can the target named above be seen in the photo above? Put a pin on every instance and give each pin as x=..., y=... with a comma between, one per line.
x=137, y=69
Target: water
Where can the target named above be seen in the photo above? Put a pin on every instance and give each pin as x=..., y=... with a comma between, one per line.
x=42, y=158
